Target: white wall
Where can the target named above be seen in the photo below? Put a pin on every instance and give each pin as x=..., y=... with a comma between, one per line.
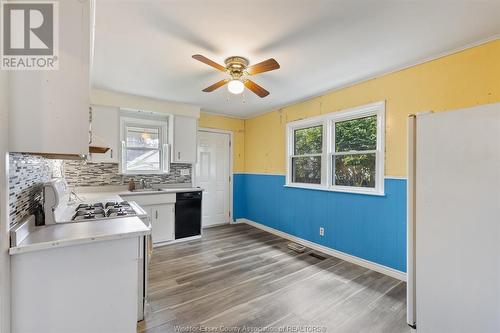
x=4, y=210
x=111, y=98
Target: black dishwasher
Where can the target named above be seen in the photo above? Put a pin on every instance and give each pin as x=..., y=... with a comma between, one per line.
x=188, y=214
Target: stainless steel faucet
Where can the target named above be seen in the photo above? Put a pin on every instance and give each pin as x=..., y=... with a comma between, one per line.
x=143, y=183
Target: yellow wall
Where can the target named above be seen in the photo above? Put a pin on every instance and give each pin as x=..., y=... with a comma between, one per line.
x=237, y=126
x=464, y=79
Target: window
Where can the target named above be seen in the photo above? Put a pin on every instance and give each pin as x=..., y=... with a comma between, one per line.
x=144, y=145
x=354, y=157
x=342, y=151
x=306, y=158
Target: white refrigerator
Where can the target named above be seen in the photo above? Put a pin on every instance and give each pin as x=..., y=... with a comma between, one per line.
x=454, y=221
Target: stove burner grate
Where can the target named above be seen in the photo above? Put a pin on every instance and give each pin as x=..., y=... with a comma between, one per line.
x=95, y=206
x=117, y=205
x=120, y=212
x=87, y=215
x=103, y=210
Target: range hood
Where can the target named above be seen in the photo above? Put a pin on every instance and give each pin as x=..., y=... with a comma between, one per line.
x=59, y=156
x=98, y=146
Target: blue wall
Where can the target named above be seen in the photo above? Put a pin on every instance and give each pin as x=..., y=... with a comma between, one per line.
x=366, y=226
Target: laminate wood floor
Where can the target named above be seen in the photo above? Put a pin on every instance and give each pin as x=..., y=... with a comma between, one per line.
x=241, y=279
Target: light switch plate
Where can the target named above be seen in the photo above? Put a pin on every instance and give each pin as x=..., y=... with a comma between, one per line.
x=184, y=172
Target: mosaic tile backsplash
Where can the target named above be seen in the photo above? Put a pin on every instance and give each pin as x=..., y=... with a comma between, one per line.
x=80, y=173
x=27, y=173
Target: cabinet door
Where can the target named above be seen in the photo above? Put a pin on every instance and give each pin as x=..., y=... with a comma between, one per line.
x=185, y=132
x=163, y=223
x=49, y=109
x=105, y=132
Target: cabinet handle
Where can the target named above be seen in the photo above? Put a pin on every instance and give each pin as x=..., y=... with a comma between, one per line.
x=156, y=214
x=90, y=125
x=179, y=155
x=111, y=153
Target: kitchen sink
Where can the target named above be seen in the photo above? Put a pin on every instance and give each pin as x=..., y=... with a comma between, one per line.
x=147, y=190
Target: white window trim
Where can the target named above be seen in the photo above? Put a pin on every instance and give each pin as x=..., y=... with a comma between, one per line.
x=163, y=125
x=291, y=152
x=327, y=121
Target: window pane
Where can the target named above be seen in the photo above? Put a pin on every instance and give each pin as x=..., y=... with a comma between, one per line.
x=308, y=140
x=306, y=169
x=355, y=170
x=143, y=160
x=357, y=134
x=139, y=137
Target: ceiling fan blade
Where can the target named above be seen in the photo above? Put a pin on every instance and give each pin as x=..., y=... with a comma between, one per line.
x=216, y=85
x=209, y=62
x=261, y=67
x=256, y=89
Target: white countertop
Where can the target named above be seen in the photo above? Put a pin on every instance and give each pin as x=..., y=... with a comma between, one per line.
x=89, y=193
x=75, y=233
x=162, y=191
x=67, y=234
x=93, y=197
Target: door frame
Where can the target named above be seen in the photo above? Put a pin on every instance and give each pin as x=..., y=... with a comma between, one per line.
x=231, y=173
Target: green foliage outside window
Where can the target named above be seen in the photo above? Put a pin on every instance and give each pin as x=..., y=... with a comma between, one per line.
x=307, y=169
x=308, y=140
x=355, y=135
x=356, y=169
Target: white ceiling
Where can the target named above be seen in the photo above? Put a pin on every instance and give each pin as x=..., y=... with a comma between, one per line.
x=144, y=47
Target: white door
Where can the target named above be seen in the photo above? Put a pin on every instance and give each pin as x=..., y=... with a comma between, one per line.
x=212, y=174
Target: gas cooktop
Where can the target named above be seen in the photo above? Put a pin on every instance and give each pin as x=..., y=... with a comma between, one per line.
x=103, y=210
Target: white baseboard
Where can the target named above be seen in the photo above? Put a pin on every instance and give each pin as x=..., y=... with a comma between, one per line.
x=334, y=253
x=214, y=225
x=175, y=241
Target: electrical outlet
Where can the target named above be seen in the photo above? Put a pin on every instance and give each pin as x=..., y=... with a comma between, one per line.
x=321, y=231
x=184, y=172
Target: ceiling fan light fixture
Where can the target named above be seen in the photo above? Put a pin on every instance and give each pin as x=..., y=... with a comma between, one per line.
x=238, y=70
x=235, y=86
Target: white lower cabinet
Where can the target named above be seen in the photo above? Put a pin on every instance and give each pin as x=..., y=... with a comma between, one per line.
x=161, y=210
x=162, y=222
x=83, y=288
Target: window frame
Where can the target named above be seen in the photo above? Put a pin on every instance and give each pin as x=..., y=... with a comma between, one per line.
x=322, y=154
x=146, y=121
x=328, y=148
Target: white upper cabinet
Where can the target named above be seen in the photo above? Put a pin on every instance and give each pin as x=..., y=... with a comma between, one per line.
x=184, y=145
x=49, y=109
x=105, y=133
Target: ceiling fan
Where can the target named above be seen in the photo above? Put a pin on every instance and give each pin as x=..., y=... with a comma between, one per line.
x=238, y=70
